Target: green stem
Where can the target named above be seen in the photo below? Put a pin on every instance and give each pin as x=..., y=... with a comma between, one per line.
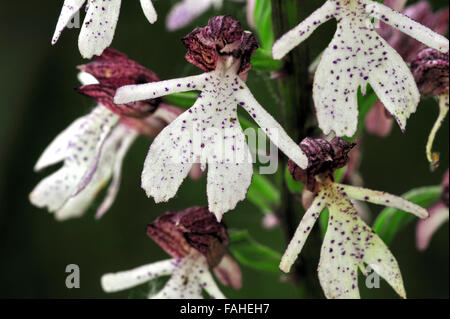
x=297, y=117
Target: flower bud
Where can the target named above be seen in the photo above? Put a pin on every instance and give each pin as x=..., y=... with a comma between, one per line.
x=112, y=70
x=222, y=37
x=194, y=228
x=323, y=159
x=430, y=70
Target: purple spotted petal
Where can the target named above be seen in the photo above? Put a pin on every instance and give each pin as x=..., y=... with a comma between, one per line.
x=358, y=56
x=350, y=244
x=81, y=152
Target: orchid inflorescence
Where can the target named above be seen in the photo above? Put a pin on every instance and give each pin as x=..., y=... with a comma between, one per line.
x=130, y=102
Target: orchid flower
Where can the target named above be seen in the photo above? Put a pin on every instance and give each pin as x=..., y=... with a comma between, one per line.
x=93, y=147
x=209, y=131
x=358, y=56
x=439, y=214
x=186, y=11
x=197, y=242
x=378, y=120
x=349, y=243
x=430, y=69
x=99, y=24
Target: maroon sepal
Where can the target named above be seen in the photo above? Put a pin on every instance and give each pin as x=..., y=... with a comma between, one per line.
x=194, y=228
x=323, y=159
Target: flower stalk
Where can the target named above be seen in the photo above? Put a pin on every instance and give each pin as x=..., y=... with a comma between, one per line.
x=296, y=115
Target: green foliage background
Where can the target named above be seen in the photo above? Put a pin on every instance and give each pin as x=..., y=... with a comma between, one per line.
x=37, y=101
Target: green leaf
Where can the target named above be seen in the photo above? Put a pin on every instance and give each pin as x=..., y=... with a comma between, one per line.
x=391, y=220
x=293, y=186
x=263, y=23
x=323, y=221
x=262, y=60
x=252, y=254
x=184, y=99
x=263, y=194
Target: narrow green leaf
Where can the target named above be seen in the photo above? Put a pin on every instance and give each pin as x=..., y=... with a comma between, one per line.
x=263, y=194
x=263, y=23
x=262, y=60
x=392, y=220
x=252, y=254
x=293, y=186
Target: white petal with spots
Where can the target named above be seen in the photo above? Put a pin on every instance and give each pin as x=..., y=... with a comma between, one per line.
x=304, y=228
x=139, y=92
x=128, y=136
x=209, y=133
x=383, y=198
x=407, y=25
x=302, y=31
x=349, y=244
x=58, y=148
x=69, y=9
x=98, y=27
x=271, y=127
x=110, y=164
x=356, y=56
x=187, y=281
x=127, y=279
x=81, y=155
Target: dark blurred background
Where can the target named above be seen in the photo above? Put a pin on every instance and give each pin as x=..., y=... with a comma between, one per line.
x=38, y=101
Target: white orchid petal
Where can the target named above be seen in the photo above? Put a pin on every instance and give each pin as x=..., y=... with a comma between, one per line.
x=133, y=93
x=393, y=83
x=352, y=62
x=439, y=214
x=339, y=259
x=302, y=31
x=380, y=259
x=301, y=234
x=113, y=151
x=383, y=198
x=407, y=26
x=149, y=10
x=80, y=161
x=230, y=167
x=169, y=159
x=271, y=127
x=126, y=279
x=207, y=282
x=358, y=56
x=87, y=78
x=208, y=133
x=184, y=283
x=98, y=27
x=184, y=12
x=69, y=9
x=59, y=147
x=127, y=138
x=348, y=244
